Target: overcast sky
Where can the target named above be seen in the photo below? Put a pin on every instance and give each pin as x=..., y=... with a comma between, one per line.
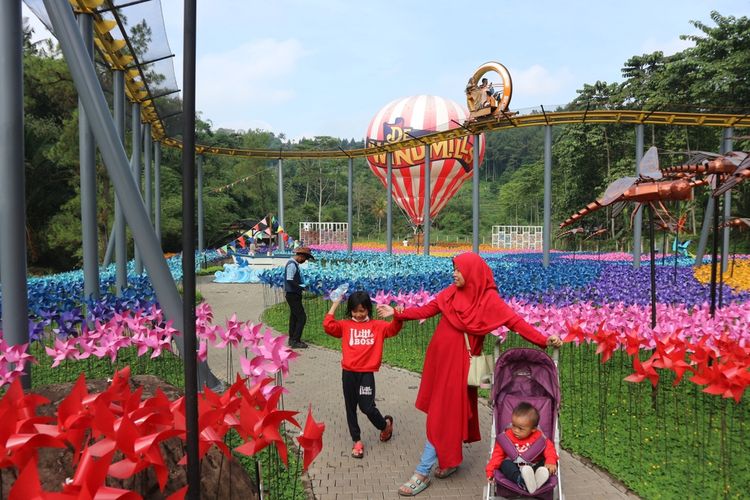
x=325, y=67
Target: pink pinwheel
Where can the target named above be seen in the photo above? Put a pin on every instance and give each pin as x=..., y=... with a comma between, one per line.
x=63, y=350
x=232, y=335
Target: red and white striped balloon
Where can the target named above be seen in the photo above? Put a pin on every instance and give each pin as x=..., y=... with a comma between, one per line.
x=451, y=161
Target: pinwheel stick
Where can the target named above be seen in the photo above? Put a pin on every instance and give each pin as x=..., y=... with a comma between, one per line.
x=653, y=264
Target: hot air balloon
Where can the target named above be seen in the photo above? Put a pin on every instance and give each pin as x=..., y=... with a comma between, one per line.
x=451, y=161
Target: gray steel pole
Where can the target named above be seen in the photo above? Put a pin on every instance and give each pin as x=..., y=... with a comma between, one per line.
x=349, y=197
x=110, y=248
x=148, y=151
x=116, y=161
x=280, y=240
x=87, y=155
x=157, y=191
x=121, y=242
x=475, y=196
x=638, y=222
x=135, y=165
x=12, y=187
x=427, y=186
x=199, y=166
x=708, y=217
x=547, y=228
x=389, y=203
x=726, y=146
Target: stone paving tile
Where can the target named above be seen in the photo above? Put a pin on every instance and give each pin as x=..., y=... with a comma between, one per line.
x=315, y=377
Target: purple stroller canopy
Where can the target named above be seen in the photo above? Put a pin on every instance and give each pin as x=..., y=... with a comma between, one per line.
x=530, y=375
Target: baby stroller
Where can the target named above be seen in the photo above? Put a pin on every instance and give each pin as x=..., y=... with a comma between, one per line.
x=530, y=375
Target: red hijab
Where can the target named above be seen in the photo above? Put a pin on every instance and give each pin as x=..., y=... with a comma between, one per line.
x=476, y=307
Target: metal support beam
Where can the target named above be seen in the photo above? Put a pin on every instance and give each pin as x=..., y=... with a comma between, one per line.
x=349, y=203
x=726, y=146
x=475, y=196
x=199, y=167
x=708, y=217
x=638, y=221
x=427, y=188
x=188, y=247
x=280, y=239
x=135, y=165
x=148, y=152
x=547, y=228
x=389, y=203
x=157, y=191
x=87, y=161
x=12, y=187
x=121, y=242
x=116, y=161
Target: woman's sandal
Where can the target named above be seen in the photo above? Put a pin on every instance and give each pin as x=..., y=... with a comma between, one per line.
x=358, y=451
x=414, y=485
x=443, y=473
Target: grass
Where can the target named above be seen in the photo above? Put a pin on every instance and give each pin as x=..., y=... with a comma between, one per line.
x=663, y=443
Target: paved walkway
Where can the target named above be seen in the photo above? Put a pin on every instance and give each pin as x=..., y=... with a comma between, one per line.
x=315, y=378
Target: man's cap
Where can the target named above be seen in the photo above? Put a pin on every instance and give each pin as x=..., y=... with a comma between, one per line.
x=305, y=251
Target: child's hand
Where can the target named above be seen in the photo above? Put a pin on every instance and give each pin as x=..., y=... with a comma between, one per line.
x=554, y=341
x=385, y=311
x=552, y=468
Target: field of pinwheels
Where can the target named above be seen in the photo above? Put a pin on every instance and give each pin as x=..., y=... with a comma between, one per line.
x=664, y=409
x=115, y=337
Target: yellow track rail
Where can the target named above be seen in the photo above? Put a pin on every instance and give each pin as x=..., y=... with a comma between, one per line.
x=623, y=117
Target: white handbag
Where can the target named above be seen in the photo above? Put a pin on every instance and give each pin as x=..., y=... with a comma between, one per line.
x=480, y=368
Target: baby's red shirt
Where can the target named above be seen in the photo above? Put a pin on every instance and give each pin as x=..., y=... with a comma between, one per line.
x=361, y=343
x=498, y=454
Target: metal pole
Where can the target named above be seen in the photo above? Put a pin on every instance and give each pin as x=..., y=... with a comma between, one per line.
x=638, y=222
x=116, y=161
x=110, y=248
x=708, y=216
x=12, y=187
x=135, y=165
x=427, y=186
x=121, y=242
x=199, y=166
x=475, y=196
x=87, y=156
x=349, y=202
x=726, y=147
x=279, y=239
x=148, y=151
x=157, y=191
x=547, y=228
x=188, y=253
x=389, y=203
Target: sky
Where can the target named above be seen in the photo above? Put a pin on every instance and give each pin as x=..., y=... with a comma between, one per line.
x=309, y=68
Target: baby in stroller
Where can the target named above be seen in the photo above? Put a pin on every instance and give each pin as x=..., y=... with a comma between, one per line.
x=523, y=453
x=526, y=400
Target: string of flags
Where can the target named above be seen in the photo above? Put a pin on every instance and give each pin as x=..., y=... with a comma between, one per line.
x=259, y=231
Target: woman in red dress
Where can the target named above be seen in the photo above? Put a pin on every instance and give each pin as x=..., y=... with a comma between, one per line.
x=471, y=305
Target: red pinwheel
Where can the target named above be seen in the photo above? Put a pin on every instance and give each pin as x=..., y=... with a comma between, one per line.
x=643, y=371
x=575, y=333
x=606, y=343
x=311, y=439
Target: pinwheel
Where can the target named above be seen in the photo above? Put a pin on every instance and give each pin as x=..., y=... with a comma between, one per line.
x=311, y=439
x=643, y=370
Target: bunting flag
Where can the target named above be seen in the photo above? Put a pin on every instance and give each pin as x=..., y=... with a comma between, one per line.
x=274, y=224
x=241, y=241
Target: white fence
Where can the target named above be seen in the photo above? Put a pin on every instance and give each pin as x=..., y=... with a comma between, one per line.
x=517, y=237
x=323, y=233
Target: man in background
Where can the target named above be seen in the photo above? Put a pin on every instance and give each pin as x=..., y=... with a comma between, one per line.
x=293, y=288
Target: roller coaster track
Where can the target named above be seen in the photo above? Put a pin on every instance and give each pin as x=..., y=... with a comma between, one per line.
x=623, y=117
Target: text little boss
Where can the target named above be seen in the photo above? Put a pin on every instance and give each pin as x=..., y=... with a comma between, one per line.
x=362, y=336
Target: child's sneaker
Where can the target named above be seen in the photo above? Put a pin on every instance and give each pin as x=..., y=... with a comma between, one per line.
x=541, y=475
x=385, y=434
x=527, y=473
x=358, y=451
